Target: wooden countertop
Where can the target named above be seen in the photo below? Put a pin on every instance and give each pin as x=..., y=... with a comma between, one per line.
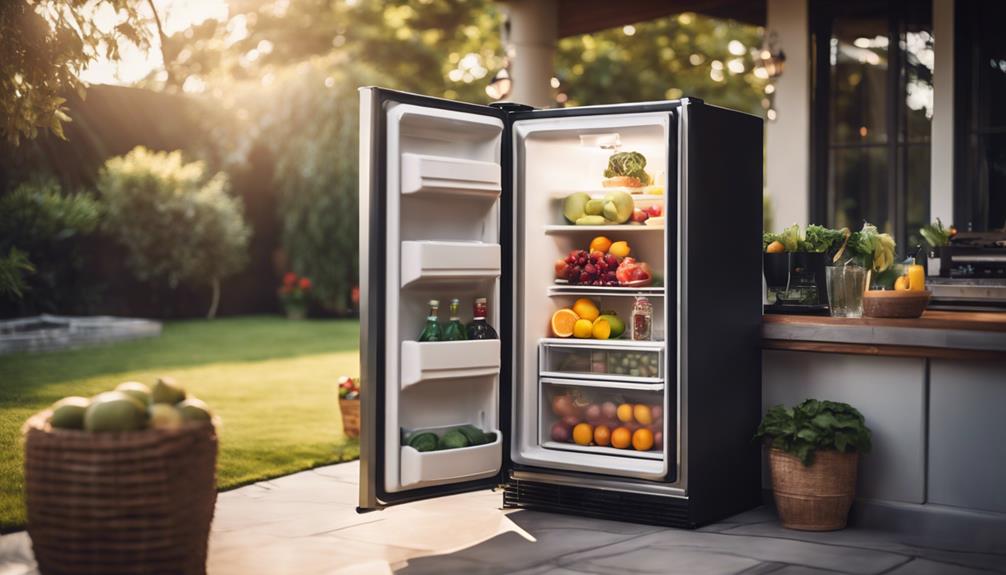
x=939, y=334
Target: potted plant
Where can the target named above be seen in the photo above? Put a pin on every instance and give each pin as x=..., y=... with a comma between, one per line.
x=293, y=295
x=814, y=451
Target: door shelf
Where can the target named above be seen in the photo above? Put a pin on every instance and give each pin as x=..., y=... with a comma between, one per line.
x=423, y=361
x=451, y=465
x=551, y=229
x=433, y=262
x=438, y=175
x=598, y=450
x=602, y=381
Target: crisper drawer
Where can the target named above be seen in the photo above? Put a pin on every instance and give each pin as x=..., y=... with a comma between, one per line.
x=603, y=417
x=641, y=362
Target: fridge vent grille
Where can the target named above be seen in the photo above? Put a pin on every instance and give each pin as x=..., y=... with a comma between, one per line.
x=603, y=504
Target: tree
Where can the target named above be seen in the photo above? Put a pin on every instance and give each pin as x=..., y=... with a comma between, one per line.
x=665, y=58
x=44, y=45
x=40, y=234
x=176, y=224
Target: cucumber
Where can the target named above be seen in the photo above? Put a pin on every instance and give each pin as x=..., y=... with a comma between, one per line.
x=423, y=441
x=474, y=435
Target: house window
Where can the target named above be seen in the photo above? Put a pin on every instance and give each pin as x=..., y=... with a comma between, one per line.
x=980, y=116
x=872, y=109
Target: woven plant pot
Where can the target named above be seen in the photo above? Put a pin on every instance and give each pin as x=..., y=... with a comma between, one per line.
x=135, y=503
x=350, y=409
x=814, y=498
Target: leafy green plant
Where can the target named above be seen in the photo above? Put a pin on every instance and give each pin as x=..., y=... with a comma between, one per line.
x=45, y=226
x=814, y=425
x=177, y=224
x=936, y=235
x=13, y=268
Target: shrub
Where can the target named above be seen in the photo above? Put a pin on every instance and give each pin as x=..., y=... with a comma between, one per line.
x=814, y=425
x=177, y=224
x=40, y=232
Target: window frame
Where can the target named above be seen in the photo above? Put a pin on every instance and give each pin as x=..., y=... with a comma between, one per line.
x=898, y=144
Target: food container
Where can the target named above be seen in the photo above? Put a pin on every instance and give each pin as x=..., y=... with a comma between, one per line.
x=895, y=303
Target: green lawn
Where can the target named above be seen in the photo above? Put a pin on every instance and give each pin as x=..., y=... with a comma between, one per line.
x=271, y=381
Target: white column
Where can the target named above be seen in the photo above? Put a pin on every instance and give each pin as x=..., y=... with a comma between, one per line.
x=941, y=187
x=787, y=138
x=533, y=32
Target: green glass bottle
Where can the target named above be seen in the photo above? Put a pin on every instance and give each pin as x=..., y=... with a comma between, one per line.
x=432, y=331
x=454, y=330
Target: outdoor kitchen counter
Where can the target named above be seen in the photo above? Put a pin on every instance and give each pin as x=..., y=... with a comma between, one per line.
x=932, y=391
x=937, y=334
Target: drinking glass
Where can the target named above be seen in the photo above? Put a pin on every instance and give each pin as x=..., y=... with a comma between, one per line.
x=845, y=290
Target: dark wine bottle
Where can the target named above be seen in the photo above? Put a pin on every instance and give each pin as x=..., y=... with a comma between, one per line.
x=480, y=328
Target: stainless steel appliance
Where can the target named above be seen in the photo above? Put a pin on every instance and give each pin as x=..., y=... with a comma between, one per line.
x=464, y=200
x=971, y=272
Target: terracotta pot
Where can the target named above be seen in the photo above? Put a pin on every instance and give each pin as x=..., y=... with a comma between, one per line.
x=814, y=498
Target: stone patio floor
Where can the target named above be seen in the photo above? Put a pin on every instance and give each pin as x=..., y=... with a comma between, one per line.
x=306, y=524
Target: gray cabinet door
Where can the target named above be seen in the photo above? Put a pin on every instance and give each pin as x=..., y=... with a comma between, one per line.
x=890, y=393
x=967, y=434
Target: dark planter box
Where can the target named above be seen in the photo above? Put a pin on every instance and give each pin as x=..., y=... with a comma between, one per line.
x=794, y=269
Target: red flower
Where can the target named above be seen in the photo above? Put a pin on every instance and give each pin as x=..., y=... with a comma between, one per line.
x=289, y=279
x=355, y=295
x=305, y=284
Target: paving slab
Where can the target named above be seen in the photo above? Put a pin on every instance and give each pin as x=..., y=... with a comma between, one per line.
x=306, y=524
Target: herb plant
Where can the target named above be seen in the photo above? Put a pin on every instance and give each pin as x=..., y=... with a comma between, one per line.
x=802, y=430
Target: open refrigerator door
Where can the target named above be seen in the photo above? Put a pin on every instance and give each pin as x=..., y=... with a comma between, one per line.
x=431, y=185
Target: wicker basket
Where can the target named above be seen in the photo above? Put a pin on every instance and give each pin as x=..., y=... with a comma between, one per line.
x=350, y=416
x=814, y=498
x=894, y=303
x=133, y=503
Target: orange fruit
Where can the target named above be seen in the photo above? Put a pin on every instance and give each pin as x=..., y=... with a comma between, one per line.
x=901, y=283
x=600, y=244
x=621, y=438
x=775, y=247
x=642, y=439
x=620, y=249
x=563, y=322
x=586, y=309
x=602, y=435
x=624, y=412
x=642, y=414
x=583, y=434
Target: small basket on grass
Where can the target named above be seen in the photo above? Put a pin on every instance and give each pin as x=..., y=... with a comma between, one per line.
x=115, y=487
x=349, y=405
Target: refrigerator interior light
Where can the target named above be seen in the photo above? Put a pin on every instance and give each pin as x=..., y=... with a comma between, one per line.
x=608, y=141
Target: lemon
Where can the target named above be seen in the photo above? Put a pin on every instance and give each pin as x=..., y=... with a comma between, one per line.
x=583, y=329
x=601, y=329
x=620, y=249
x=586, y=309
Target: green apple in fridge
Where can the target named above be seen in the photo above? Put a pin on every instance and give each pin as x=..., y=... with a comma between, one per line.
x=573, y=206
